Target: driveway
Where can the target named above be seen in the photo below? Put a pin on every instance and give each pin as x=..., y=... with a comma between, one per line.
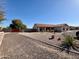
x=16, y=46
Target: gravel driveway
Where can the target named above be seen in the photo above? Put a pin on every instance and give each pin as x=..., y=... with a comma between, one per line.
x=15, y=46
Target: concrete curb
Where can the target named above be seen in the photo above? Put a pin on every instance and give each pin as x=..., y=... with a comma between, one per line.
x=1, y=37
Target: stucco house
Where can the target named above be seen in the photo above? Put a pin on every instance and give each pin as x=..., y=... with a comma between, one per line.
x=51, y=27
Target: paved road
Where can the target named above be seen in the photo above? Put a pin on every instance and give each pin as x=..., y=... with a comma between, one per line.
x=15, y=46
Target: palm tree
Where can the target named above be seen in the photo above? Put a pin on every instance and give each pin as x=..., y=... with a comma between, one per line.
x=1, y=18
x=2, y=10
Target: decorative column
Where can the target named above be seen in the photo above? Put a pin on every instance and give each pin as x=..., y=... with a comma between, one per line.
x=44, y=29
x=62, y=29
x=38, y=29
x=50, y=29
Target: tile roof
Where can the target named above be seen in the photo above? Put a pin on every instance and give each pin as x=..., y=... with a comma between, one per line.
x=51, y=25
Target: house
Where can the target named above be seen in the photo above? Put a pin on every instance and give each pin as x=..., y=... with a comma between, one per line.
x=74, y=28
x=51, y=27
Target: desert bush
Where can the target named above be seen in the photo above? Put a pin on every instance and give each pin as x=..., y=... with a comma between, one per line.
x=67, y=43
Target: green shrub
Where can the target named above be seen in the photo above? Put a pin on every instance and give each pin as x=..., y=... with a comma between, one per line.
x=68, y=43
x=68, y=40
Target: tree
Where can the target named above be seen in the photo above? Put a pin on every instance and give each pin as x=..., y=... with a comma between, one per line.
x=2, y=10
x=1, y=18
x=17, y=24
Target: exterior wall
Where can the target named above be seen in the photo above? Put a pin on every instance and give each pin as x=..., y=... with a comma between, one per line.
x=15, y=30
x=44, y=29
x=41, y=29
x=51, y=29
x=58, y=29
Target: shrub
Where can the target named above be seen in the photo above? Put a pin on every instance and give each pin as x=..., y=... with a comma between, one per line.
x=67, y=43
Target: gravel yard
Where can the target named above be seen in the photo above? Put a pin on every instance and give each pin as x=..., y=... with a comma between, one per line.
x=15, y=46
x=28, y=46
x=44, y=37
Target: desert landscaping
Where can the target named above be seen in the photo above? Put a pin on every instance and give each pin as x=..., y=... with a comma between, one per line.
x=33, y=45
x=39, y=29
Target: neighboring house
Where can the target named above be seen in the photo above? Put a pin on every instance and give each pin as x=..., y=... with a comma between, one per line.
x=51, y=28
x=74, y=28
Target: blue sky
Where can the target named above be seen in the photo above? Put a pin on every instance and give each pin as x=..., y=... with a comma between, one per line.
x=43, y=11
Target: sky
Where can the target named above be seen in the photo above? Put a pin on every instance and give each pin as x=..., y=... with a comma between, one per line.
x=42, y=11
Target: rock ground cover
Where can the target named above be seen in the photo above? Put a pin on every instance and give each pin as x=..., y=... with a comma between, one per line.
x=16, y=46
x=44, y=37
